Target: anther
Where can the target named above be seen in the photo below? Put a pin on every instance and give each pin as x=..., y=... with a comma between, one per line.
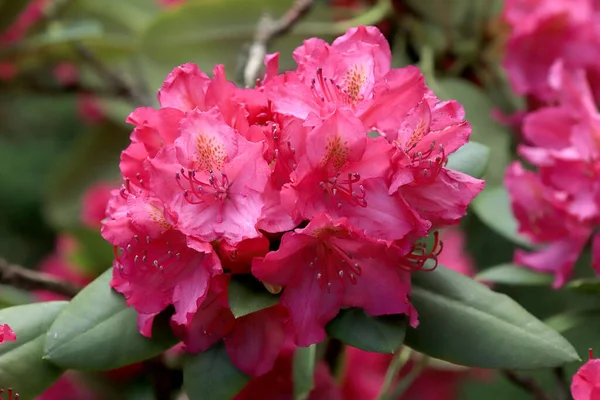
x=148, y=239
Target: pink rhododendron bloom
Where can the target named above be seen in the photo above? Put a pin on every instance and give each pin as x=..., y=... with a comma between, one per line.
x=157, y=265
x=586, y=382
x=68, y=387
x=282, y=182
x=7, y=334
x=354, y=72
x=326, y=266
x=253, y=341
x=558, y=205
x=32, y=13
x=364, y=375
x=544, y=31
x=219, y=177
x=278, y=384
x=454, y=254
x=94, y=204
x=58, y=264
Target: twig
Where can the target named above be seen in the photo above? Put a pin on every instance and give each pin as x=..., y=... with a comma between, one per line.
x=528, y=384
x=24, y=278
x=408, y=380
x=267, y=30
x=562, y=384
x=397, y=363
x=115, y=81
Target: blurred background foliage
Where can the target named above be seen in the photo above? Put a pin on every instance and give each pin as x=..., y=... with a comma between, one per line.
x=62, y=121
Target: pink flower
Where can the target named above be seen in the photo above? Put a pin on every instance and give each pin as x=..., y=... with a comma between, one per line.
x=66, y=73
x=278, y=383
x=7, y=334
x=558, y=205
x=454, y=254
x=212, y=179
x=253, y=341
x=586, y=382
x=60, y=265
x=544, y=31
x=345, y=173
x=156, y=265
x=31, y=14
x=95, y=200
x=68, y=387
x=170, y=3
x=354, y=72
x=326, y=266
x=430, y=132
x=88, y=109
x=364, y=374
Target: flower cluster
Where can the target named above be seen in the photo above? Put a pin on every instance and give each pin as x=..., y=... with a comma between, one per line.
x=544, y=31
x=559, y=204
x=319, y=183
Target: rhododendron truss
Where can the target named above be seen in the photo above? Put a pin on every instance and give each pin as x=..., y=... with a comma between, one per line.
x=282, y=184
x=558, y=205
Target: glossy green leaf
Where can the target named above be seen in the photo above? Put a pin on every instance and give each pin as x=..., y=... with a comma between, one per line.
x=247, y=295
x=585, y=285
x=471, y=159
x=94, y=157
x=486, y=131
x=210, y=375
x=97, y=331
x=464, y=322
x=21, y=363
x=383, y=334
x=492, y=206
x=304, y=371
x=510, y=274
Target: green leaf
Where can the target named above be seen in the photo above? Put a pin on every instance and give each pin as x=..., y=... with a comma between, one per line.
x=492, y=206
x=464, y=322
x=471, y=159
x=21, y=363
x=210, y=375
x=383, y=334
x=97, y=331
x=211, y=32
x=93, y=157
x=566, y=321
x=585, y=285
x=247, y=295
x=478, y=108
x=510, y=274
x=304, y=371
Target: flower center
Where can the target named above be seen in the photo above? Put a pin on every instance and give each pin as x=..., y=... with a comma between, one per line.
x=326, y=90
x=419, y=255
x=155, y=259
x=202, y=188
x=332, y=263
x=345, y=190
x=428, y=165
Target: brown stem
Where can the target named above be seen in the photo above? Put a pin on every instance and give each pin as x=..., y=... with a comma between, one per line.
x=528, y=384
x=27, y=279
x=563, y=390
x=267, y=30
